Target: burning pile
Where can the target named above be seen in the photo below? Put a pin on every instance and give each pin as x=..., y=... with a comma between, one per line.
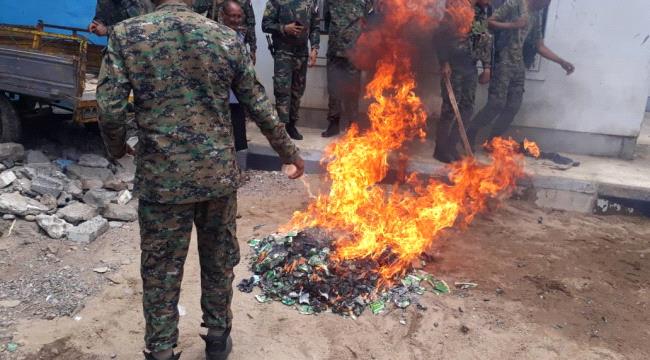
x=375, y=233
x=297, y=270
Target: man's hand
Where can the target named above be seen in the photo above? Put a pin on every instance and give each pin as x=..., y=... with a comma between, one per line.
x=445, y=70
x=521, y=23
x=485, y=77
x=293, y=29
x=299, y=170
x=253, y=58
x=313, y=55
x=98, y=28
x=568, y=67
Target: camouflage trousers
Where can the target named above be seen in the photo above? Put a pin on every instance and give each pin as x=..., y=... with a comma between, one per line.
x=504, y=101
x=344, y=87
x=165, y=231
x=289, y=84
x=464, y=82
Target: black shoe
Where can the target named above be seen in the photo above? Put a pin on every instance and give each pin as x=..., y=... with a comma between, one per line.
x=293, y=132
x=149, y=356
x=217, y=347
x=332, y=130
x=446, y=157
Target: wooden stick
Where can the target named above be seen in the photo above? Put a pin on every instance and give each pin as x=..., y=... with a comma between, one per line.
x=459, y=119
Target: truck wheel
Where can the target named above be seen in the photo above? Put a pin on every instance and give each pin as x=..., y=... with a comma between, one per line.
x=9, y=121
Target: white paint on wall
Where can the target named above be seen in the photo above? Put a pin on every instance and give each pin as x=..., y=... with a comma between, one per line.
x=607, y=93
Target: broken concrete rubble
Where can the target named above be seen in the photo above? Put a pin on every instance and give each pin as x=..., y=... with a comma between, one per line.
x=124, y=197
x=44, y=184
x=89, y=230
x=36, y=157
x=77, y=212
x=7, y=178
x=93, y=161
x=120, y=213
x=16, y=204
x=54, y=227
x=84, y=173
x=99, y=197
x=11, y=152
x=49, y=201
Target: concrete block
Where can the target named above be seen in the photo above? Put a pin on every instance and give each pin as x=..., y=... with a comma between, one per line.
x=78, y=212
x=16, y=204
x=84, y=173
x=44, y=184
x=11, y=152
x=89, y=231
x=54, y=227
x=120, y=213
x=36, y=157
x=7, y=178
x=566, y=200
x=99, y=197
x=93, y=161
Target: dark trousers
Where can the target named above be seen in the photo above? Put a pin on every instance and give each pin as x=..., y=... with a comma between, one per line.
x=165, y=231
x=344, y=87
x=238, y=118
x=464, y=81
x=504, y=101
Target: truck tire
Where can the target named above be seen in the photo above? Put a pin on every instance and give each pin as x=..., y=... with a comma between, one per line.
x=10, y=130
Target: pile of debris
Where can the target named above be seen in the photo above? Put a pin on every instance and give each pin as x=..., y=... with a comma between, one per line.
x=73, y=196
x=297, y=270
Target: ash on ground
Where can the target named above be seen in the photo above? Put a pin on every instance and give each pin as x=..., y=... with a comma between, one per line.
x=296, y=269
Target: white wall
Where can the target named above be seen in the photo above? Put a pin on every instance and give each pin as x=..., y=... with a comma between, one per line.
x=608, y=92
x=316, y=92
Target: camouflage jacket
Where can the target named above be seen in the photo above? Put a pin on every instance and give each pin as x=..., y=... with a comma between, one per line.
x=510, y=46
x=206, y=6
x=181, y=67
x=281, y=12
x=111, y=12
x=468, y=49
x=344, y=19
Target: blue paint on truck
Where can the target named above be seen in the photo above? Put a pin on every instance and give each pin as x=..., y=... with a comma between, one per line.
x=76, y=13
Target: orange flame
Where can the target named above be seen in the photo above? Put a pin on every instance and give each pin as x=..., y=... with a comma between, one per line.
x=532, y=148
x=405, y=219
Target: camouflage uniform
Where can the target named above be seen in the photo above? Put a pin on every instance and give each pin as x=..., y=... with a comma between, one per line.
x=203, y=6
x=181, y=67
x=462, y=55
x=111, y=12
x=291, y=53
x=509, y=75
x=344, y=19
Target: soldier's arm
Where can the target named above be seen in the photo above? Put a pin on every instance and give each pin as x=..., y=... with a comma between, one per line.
x=251, y=38
x=112, y=98
x=270, y=21
x=502, y=18
x=314, y=31
x=252, y=96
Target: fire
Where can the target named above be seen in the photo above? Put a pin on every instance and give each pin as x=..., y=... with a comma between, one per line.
x=532, y=148
x=395, y=225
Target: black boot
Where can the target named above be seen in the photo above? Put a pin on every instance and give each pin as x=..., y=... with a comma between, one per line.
x=217, y=347
x=292, y=130
x=149, y=356
x=332, y=130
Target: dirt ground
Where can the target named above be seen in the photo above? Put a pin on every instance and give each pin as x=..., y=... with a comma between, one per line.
x=551, y=285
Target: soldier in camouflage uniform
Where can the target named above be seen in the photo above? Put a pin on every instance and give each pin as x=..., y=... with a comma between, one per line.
x=344, y=19
x=294, y=25
x=518, y=21
x=213, y=9
x=180, y=68
x=458, y=55
x=110, y=12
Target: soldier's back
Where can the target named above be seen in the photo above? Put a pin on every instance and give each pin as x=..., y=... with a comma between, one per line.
x=181, y=67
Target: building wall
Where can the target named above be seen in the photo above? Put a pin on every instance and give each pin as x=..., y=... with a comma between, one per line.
x=608, y=92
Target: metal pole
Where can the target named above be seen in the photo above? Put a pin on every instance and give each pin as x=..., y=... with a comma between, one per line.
x=459, y=119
